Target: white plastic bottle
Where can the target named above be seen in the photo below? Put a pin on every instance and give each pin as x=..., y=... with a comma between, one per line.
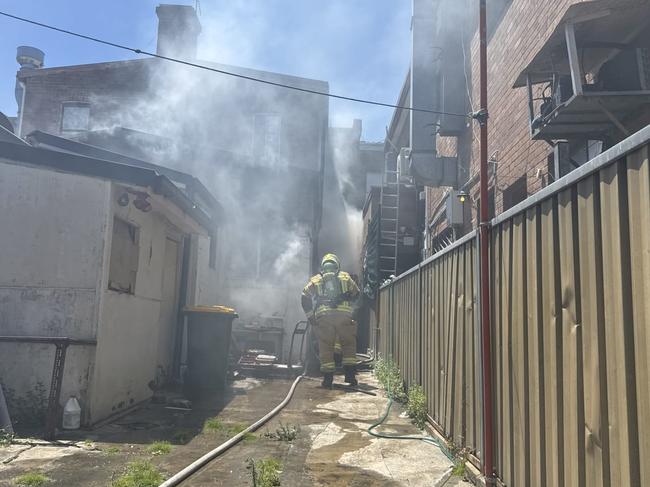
x=72, y=414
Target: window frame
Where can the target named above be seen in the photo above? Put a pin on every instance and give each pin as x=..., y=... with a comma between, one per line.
x=73, y=104
x=134, y=232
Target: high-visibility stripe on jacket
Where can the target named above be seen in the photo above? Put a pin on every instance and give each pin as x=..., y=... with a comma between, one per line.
x=315, y=289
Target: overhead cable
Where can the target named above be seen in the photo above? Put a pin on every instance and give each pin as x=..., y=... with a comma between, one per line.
x=229, y=73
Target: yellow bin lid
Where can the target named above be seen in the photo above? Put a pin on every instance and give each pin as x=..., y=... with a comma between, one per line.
x=210, y=309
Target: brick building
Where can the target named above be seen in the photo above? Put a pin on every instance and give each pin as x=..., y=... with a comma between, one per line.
x=522, y=36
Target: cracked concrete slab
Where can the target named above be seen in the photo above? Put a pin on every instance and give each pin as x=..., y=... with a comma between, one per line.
x=332, y=448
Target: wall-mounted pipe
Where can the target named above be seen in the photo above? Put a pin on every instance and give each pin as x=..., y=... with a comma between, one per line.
x=484, y=226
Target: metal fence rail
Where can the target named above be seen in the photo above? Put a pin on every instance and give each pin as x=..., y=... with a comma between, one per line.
x=570, y=277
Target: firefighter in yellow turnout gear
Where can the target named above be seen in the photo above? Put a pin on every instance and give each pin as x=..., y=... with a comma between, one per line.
x=327, y=301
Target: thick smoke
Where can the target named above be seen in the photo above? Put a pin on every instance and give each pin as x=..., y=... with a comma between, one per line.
x=208, y=123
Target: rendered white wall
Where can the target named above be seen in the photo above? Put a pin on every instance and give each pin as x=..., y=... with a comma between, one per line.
x=51, y=235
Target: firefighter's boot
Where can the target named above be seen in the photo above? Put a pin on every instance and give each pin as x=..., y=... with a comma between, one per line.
x=328, y=379
x=350, y=375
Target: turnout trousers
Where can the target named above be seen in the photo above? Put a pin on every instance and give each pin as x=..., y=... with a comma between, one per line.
x=331, y=327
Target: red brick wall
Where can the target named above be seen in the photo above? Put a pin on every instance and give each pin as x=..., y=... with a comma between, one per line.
x=523, y=30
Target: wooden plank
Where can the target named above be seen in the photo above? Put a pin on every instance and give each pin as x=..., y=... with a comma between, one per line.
x=638, y=177
x=572, y=390
x=550, y=345
x=593, y=334
x=518, y=357
x=535, y=353
x=618, y=373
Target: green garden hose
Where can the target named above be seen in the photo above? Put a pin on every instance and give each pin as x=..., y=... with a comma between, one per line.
x=427, y=439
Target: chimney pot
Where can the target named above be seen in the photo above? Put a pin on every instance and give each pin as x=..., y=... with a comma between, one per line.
x=29, y=57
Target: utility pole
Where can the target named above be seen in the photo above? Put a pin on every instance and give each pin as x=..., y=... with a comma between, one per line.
x=484, y=227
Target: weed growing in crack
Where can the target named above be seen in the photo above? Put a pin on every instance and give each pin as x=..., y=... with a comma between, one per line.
x=459, y=454
x=6, y=438
x=111, y=450
x=416, y=406
x=390, y=377
x=160, y=448
x=286, y=433
x=265, y=472
x=32, y=479
x=139, y=474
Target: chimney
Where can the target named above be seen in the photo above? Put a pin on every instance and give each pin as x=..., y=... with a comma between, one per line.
x=178, y=31
x=28, y=58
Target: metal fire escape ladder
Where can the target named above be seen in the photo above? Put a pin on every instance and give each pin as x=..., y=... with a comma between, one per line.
x=389, y=214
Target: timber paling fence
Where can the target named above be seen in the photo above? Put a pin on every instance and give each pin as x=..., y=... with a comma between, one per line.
x=570, y=307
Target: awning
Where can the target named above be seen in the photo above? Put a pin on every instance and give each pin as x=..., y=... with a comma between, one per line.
x=600, y=25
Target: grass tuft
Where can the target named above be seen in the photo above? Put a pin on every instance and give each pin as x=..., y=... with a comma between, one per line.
x=112, y=450
x=139, y=474
x=160, y=448
x=31, y=479
x=212, y=425
x=459, y=469
x=265, y=472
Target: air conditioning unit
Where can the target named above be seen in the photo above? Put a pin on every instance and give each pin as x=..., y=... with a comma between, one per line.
x=404, y=165
x=454, y=209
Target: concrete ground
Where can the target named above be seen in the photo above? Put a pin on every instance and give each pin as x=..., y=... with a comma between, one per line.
x=332, y=447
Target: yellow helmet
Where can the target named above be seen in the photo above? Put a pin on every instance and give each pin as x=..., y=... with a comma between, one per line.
x=330, y=263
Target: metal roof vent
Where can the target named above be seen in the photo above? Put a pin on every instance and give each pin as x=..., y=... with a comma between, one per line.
x=29, y=57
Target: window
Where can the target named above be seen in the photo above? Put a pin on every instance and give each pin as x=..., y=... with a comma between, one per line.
x=75, y=117
x=266, y=138
x=515, y=193
x=124, y=257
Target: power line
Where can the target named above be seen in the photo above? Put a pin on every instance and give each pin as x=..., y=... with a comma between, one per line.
x=228, y=73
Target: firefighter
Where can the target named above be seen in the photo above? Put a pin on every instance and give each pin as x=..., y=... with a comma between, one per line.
x=327, y=301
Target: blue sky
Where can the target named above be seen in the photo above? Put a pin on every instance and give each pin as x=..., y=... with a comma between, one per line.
x=360, y=46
